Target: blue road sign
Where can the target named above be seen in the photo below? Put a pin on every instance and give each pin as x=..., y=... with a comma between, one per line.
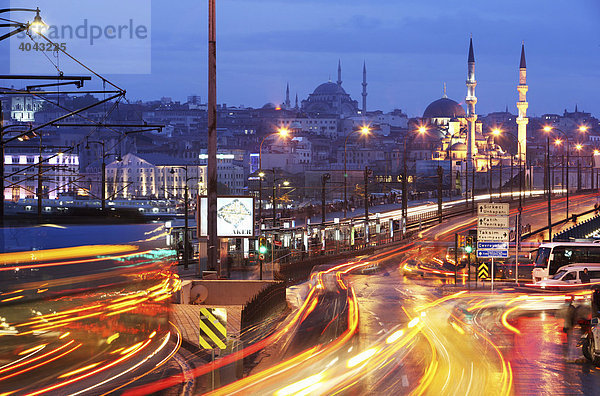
x=492, y=253
x=492, y=245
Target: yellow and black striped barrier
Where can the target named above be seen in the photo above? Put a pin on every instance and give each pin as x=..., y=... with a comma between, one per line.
x=213, y=330
x=483, y=271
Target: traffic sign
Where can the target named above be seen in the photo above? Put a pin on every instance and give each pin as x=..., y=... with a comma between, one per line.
x=492, y=234
x=483, y=271
x=492, y=253
x=213, y=330
x=493, y=221
x=492, y=245
x=493, y=209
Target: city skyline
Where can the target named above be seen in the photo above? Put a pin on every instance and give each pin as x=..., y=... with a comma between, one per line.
x=410, y=49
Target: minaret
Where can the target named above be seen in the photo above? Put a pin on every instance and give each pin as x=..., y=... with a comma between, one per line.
x=471, y=99
x=296, y=107
x=522, y=105
x=339, y=81
x=364, y=92
x=287, y=96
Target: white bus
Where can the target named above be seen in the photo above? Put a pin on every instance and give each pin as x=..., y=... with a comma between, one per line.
x=549, y=257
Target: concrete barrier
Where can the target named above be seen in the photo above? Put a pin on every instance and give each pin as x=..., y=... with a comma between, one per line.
x=220, y=292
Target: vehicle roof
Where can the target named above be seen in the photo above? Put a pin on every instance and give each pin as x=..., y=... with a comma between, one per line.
x=578, y=266
x=583, y=244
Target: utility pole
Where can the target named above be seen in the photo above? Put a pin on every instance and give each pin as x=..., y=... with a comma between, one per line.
x=40, y=185
x=467, y=185
x=324, y=180
x=274, y=208
x=490, y=173
x=473, y=188
x=367, y=174
x=549, y=188
x=440, y=174
x=500, y=182
x=1, y=167
x=212, y=240
x=186, y=242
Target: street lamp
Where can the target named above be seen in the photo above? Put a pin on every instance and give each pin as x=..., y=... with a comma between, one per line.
x=283, y=133
x=365, y=131
x=275, y=180
x=578, y=147
x=325, y=178
x=499, y=132
x=421, y=131
x=549, y=129
x=37, y=26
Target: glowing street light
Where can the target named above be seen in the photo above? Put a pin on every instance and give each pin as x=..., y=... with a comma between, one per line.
x=365, y=131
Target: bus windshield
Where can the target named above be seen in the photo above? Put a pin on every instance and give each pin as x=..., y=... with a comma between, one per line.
x=541, y=260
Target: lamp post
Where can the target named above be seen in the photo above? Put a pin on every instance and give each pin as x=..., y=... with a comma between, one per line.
x=365, y=130
x=283, y=133
x=498, y=132
x=2, y=145
x=421, y=131
x=578, y=147
x=185, y=217
x=549, y=129
x=285, y=183
x=103, y=176
x=326, y=177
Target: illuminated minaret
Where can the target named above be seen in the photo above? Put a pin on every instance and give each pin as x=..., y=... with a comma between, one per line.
x=364, y=92
x=339, y=81
x=287, y=96
x=471, y=99
x=522, y=105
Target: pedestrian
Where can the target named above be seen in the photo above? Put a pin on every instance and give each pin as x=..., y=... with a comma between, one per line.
x=568, y=325
x=584, y=276
x=596, y=302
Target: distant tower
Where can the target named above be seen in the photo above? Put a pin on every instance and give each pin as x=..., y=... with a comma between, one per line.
x=522, y=105
x=471, y=99
x=296, y=107
x=364, y=92
x=287, y=96
x=339, y=81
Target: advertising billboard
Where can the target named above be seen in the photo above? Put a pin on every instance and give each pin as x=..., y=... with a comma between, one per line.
x=235, y=216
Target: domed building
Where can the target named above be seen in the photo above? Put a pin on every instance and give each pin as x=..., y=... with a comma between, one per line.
x=441, y=111
x=330, y=98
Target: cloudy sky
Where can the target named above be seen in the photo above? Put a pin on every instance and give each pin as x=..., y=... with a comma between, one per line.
x=411, y=47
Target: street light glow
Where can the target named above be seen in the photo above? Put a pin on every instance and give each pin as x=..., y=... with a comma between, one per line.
x=578, y=147
x=557, y=142
x=365, y=130
x=583, y=128
x=547, y=128
x=286, y=183
x=496, y=132
x=284, y=132
x=38, y=26
x=596, y=152
x=422, y=130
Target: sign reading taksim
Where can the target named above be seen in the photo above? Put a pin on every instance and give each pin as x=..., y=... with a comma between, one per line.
x=493, y=209
x=492, y=234
x=493, y=221
x=235, y=216
x=492, y=231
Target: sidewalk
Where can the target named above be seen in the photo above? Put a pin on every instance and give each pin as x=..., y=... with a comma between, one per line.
x=187, y=318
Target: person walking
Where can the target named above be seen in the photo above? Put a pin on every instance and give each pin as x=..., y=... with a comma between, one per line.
x=569, y=323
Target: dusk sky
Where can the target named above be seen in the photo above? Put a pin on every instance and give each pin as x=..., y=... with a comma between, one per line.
x=410, y=47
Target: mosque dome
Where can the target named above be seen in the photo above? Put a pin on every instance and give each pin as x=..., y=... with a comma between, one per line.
x=459, y=147
x=329, y=88
x=444, y=108
x=269, y=106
